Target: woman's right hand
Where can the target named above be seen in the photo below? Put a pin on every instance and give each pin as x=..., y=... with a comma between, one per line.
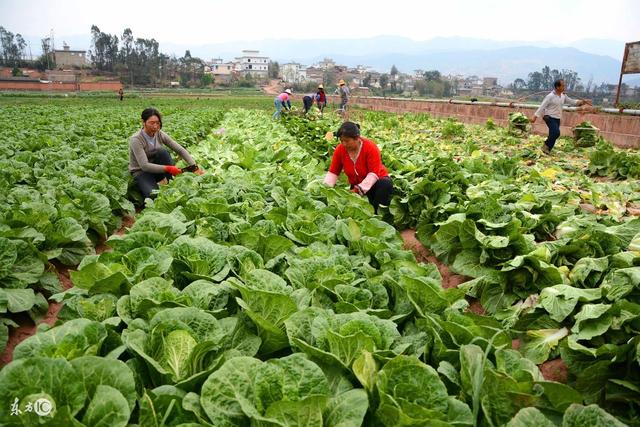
x=172, y=170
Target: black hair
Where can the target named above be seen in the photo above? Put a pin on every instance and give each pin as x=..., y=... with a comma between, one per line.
x=148, y=112
x=557, y=83
x=349, y=130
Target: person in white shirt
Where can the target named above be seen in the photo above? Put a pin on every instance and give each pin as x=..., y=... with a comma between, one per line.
x=551, y=112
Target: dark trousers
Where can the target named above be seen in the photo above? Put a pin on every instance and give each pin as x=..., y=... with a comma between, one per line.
x=147, y=182
x=380, y=193
x=554, y=130
x=307, y=101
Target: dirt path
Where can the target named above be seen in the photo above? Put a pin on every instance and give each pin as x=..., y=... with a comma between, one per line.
x=27, y=328
x=273, y=88
x=422, y=254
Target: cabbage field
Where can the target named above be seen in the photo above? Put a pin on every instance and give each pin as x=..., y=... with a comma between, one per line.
x=253, y=295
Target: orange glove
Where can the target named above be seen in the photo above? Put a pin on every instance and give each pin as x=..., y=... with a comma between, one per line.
x=172, y=170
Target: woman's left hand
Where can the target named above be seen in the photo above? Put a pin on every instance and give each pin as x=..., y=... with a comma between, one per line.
x=199, y=171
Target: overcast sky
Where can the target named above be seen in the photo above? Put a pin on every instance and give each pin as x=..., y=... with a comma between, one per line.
x=199, y=22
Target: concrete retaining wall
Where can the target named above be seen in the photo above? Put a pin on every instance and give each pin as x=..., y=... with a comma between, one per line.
x=621, y=130
x=58, y=86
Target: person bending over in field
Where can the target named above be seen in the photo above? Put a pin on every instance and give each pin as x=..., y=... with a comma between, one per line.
x=284, y=99
x=149, y=160
x=361, y=162
x=307, y=103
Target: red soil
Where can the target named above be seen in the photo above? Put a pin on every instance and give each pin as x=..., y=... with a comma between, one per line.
x=555, y=370
x=26, y=326
x=422, y=254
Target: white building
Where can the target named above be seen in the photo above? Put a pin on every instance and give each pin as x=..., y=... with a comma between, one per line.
x=293, y=72
x=252, y=63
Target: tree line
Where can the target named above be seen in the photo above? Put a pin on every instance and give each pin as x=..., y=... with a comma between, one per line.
x=13, y=52
x=426, y=83
x=543, y=80
x=134, y=60
x=12, y=49
x=138, y=61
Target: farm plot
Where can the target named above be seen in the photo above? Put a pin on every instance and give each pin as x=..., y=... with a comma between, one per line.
x=253, y=295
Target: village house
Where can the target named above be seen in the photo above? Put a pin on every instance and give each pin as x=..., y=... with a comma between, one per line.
x=252, y=63
x=293, y=72
x=67, y=58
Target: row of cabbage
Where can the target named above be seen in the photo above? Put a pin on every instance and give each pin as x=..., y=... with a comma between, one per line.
x=564, y=281
x=65, y=187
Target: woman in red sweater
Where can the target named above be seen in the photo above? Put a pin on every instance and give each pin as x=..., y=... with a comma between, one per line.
x=361, y=162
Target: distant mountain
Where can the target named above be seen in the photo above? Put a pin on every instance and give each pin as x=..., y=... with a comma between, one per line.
x=612, y=48
x=287, y=49
x=505, y=64
x=591, y=58
x=506, y=60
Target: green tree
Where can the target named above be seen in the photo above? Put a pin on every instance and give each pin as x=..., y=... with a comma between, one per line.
x=11, y=48
x=571, y=79
x=435, y=88
x=367, y=80
x=535, y=81
x=21, y=44
x=421, y=87
x=147, y=64
x=104, y=49
x=547, y=78
x=206, y=80
x=329, y=77
x=184, y=79
x=128, y=54
x=433, y=75
x=519, y=84
x=46, y=60
x=384, y=81
x=393, y=78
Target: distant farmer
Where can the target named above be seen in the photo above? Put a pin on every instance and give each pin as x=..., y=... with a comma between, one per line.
x=307, y=103
x=551, y=112
x=149, y=160
x=321, y=98
x=360, y=159
x=121, y=94
x=284, y=99
x=343, y=90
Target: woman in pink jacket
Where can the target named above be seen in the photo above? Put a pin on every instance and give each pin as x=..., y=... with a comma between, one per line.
x=283, y=99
